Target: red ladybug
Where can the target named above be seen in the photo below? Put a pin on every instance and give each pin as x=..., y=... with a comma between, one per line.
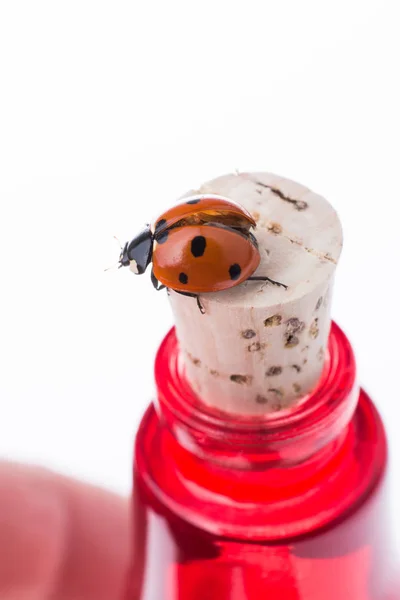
x=203, y=244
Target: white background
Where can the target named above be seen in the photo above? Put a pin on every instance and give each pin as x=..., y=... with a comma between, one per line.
x=108, y=112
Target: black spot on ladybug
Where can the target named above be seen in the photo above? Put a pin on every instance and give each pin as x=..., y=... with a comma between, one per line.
x=183, y=278
x=160, y=224
x=235, y=271
x=198, y=246
x=163, y=237
x=195, y=201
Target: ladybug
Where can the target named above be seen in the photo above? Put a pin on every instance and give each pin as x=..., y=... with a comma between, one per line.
x=204, y=244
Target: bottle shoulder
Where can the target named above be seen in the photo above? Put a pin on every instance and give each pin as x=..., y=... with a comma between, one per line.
x=249, y=499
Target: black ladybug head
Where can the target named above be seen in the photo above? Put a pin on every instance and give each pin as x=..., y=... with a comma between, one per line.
x=137, y=253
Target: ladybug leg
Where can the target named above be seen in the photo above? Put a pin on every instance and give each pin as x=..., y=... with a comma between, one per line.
x=190, y=295
x=268, y=279
x=155, y=282
x=199, y=304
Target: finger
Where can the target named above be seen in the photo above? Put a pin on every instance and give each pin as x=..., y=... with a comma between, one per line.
x=60, y=539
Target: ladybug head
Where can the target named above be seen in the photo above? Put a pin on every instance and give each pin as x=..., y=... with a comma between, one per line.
x=137, y=253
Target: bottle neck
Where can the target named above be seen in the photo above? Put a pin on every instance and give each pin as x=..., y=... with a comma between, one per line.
x=270, y=478
x=309, y=431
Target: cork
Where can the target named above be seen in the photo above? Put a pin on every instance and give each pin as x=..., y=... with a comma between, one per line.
x=260, y=348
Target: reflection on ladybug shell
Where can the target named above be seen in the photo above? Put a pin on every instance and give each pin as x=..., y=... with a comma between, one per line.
x=204, y=258
x=196, y=209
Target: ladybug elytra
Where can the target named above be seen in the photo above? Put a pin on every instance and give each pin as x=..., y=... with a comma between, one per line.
x=204, y=244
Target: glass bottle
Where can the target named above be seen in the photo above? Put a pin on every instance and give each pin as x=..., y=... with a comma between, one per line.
x=290, y=506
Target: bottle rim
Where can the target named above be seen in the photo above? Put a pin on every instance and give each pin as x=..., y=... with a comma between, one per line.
x=319, y=415
x=305, y=469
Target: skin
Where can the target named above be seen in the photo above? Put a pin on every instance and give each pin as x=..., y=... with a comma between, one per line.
x=60, y=539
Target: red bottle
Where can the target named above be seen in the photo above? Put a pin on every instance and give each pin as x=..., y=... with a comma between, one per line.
x=290, y=506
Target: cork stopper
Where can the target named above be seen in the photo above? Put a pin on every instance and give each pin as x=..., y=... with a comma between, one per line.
x=260, y=348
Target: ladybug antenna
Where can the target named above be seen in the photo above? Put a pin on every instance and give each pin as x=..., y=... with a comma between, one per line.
x=113, y=267
x=119, y=242
x=117, y=265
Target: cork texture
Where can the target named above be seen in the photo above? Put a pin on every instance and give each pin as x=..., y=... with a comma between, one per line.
x=260, y=348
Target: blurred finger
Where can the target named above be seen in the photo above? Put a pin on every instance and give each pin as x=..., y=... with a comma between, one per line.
x=60, y=539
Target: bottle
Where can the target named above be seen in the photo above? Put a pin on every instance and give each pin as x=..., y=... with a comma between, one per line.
x=292, y=505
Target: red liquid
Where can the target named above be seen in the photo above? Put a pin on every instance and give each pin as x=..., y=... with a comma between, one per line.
x=291, y=506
